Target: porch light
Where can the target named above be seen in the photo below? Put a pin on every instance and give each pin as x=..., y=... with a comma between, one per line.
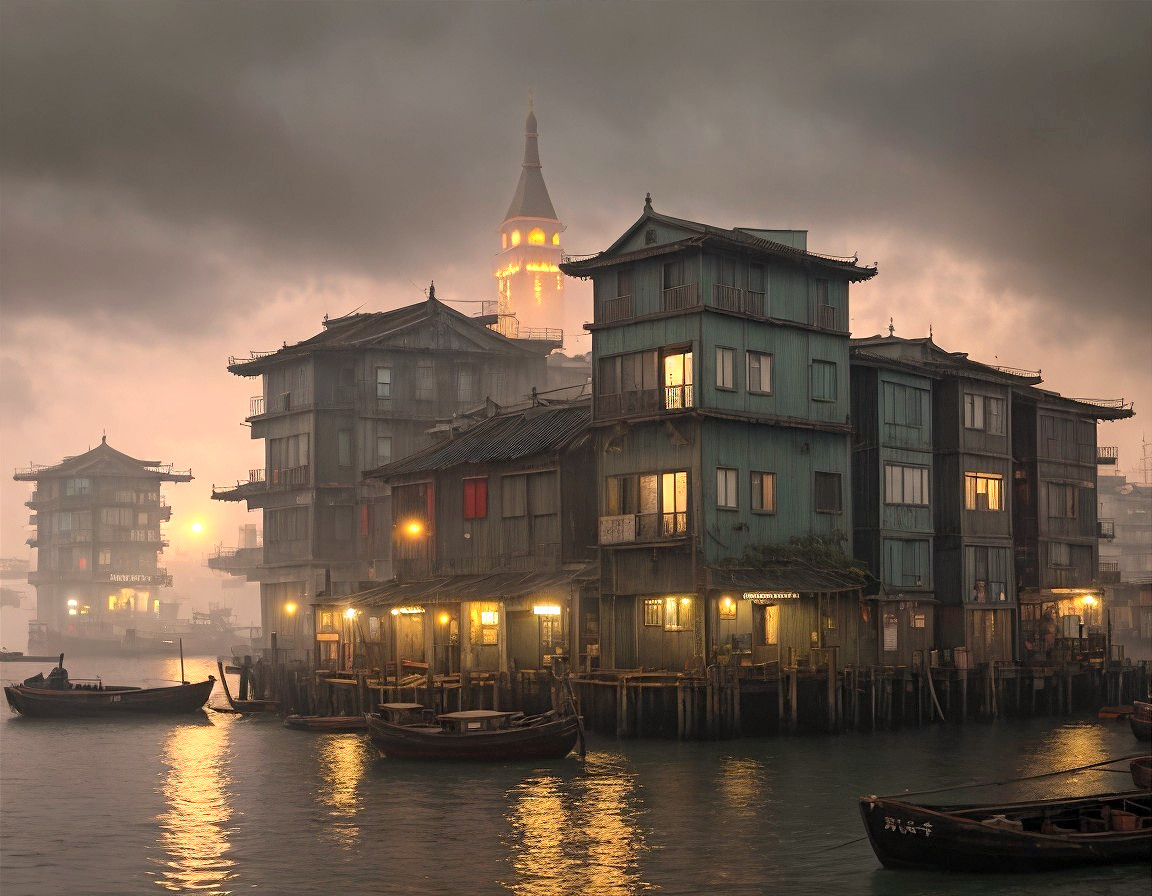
x=350, y=613
x=413, y=528
x=546, y=610
x=395, y=611
x=289, y=608
x=1089, y=600
x=72, y=605
x=407, y=611
x=445, y=618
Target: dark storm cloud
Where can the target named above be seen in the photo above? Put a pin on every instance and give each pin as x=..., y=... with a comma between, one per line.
x=150, y=151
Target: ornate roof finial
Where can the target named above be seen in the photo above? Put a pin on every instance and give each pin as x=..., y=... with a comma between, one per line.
x=891, y=328
x=432, y=291
x=648, y=202
x=929, y=329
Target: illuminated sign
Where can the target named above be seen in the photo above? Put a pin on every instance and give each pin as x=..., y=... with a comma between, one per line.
x=770, y=597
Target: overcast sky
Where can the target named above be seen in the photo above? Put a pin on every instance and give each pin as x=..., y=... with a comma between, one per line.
x=182, y=182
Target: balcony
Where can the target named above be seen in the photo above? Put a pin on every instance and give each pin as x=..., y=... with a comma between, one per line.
x=826, y=317
x=1107, y=455
x=1106, y=529
x=729, y=298
x=630, y=528
x=639, y=401
x=1109, y=572
x=679, y=297
x=617, y=309
x=678, y=398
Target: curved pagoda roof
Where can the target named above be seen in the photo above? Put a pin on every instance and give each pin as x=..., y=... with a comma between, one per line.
x=105, y=461
x=531, y=198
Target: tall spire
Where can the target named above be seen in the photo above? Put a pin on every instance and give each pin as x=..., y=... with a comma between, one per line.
x=531, y=198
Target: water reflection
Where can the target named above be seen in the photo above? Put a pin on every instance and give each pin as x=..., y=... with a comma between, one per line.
x=193, y=830
x=578, y=833
x=742, y=787
x=341, y=761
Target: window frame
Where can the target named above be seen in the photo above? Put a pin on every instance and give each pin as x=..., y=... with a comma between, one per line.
x=761, y=365
x=827, y=477
x=757, y=478
x=727, y=488
x=725, y=368
x=474, y=490
x=972, y=492
x=924, y=484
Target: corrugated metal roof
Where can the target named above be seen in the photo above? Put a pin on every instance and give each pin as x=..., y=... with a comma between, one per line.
x=505, y=437
x=502, y=586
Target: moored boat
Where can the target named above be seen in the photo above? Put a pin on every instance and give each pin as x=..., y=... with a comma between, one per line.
x=1141, y=769
x=58, y=696
x=1141, y=720
x=1040, y=835
x=325, y=723
x=401, y=731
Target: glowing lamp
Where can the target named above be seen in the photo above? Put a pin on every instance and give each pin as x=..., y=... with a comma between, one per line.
x=289, y=608
x=350, y=613
x=546, y=610
x=414, y=528
x=444, y=618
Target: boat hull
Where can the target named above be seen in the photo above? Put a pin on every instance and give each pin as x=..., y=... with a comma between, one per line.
x=1141, y=720
x=325, y=723
x=551, y=739
x=111, y=702
x=986, y=838
x=1141, y=770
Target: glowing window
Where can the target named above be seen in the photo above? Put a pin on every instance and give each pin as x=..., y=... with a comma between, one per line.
x=515, y=237
x=677, y=613
x=555, y=239
x=536, y=237
x=727, y=607
x=503, y=241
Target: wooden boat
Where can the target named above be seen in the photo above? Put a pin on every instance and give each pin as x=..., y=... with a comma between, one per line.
x=1141, y=720
x=325, y=723
x=241, y=704
x=57, y=696
x=1041, y=835
x=402, y=731
x=1141, y=769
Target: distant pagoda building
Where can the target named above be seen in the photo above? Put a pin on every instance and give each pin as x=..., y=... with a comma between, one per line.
x=531, y=287
x=98, y=543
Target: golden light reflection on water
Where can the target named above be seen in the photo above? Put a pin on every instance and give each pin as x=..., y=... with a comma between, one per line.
x=742, y=785
x=1073, y=747
x=577, y=834
x=193, y=830
x=342, y=764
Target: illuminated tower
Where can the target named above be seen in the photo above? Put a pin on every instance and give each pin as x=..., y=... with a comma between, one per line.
x=531, y=286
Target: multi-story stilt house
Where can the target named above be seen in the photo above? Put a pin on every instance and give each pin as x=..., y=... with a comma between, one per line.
x=364, y=391
x=1055, y=523
x=892, y=477
x=493, y=543
x=720, y=365
x=98, y=538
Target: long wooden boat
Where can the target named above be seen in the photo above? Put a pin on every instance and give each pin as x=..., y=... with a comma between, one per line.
x=1141, y=720
x=58, y=697
x=1141, y=769
x=326, y=723
x=400, y=731
x=1041, y=835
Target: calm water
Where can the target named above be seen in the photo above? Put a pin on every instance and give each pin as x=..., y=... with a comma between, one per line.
x=221, y=804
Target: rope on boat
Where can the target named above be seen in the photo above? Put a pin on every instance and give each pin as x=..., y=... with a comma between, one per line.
x=1066, y=771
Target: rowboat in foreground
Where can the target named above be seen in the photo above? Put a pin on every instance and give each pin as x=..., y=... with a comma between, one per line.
x=403, y=731
x=1141, y=720
x=1041, y=835
x=325, y=723
x=57, y=696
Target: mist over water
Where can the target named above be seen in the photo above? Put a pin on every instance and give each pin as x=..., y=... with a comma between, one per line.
x=222, y=804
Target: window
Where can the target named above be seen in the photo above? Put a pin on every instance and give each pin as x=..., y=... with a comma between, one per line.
x=771, y=625
x=725, y=368
x=678, y=381
x=759, y=373
x=763, y=492
x=905, y=485
x=653, y=611
x=677, y=614
x=822, y=376
x=726, y=608
x=535, y=237
x=344, y=447
x=757, y=288
x=904, y=405
x=465, y=383
x=984, y=412
x=620, y=495
x=77, y=486
x=475, y=499
x=514, y=496
x=1059, y=554
x=987, y=569
x=384, y=383
x=1062, y=500
x=827, y=497
x=891, y=628
x=623, y=282
x=727, y=491
x=383, y=450
x=983, y=491
x=673, y=274
x=425, y=381
x=906, y=562
x=674, y=503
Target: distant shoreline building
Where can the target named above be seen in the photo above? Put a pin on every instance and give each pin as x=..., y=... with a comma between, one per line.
x=530, y=285
x=98, y=542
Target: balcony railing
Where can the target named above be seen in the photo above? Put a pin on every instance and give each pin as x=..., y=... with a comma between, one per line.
x=1107, y=455
x=1106, y=529
x=677, y=398
x=629, y=528
x=639, y=401
x=619, y=308
x=289, y=477
x=730, y=298
x=754, y=303
x=826, y=317
x=1109, y=572
x=686, y=296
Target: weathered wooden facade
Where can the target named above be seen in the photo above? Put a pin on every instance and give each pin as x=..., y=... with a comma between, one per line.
x=1055, y=523
x=892, y=479
x=720, y=360
x=98, y=540
x=493, y=548
x=352, y=398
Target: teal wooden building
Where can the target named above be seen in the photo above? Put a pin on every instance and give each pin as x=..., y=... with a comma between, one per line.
x=721, y=408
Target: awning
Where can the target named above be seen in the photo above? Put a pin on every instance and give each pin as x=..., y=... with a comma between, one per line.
x=780, y=579
x=508, y=587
